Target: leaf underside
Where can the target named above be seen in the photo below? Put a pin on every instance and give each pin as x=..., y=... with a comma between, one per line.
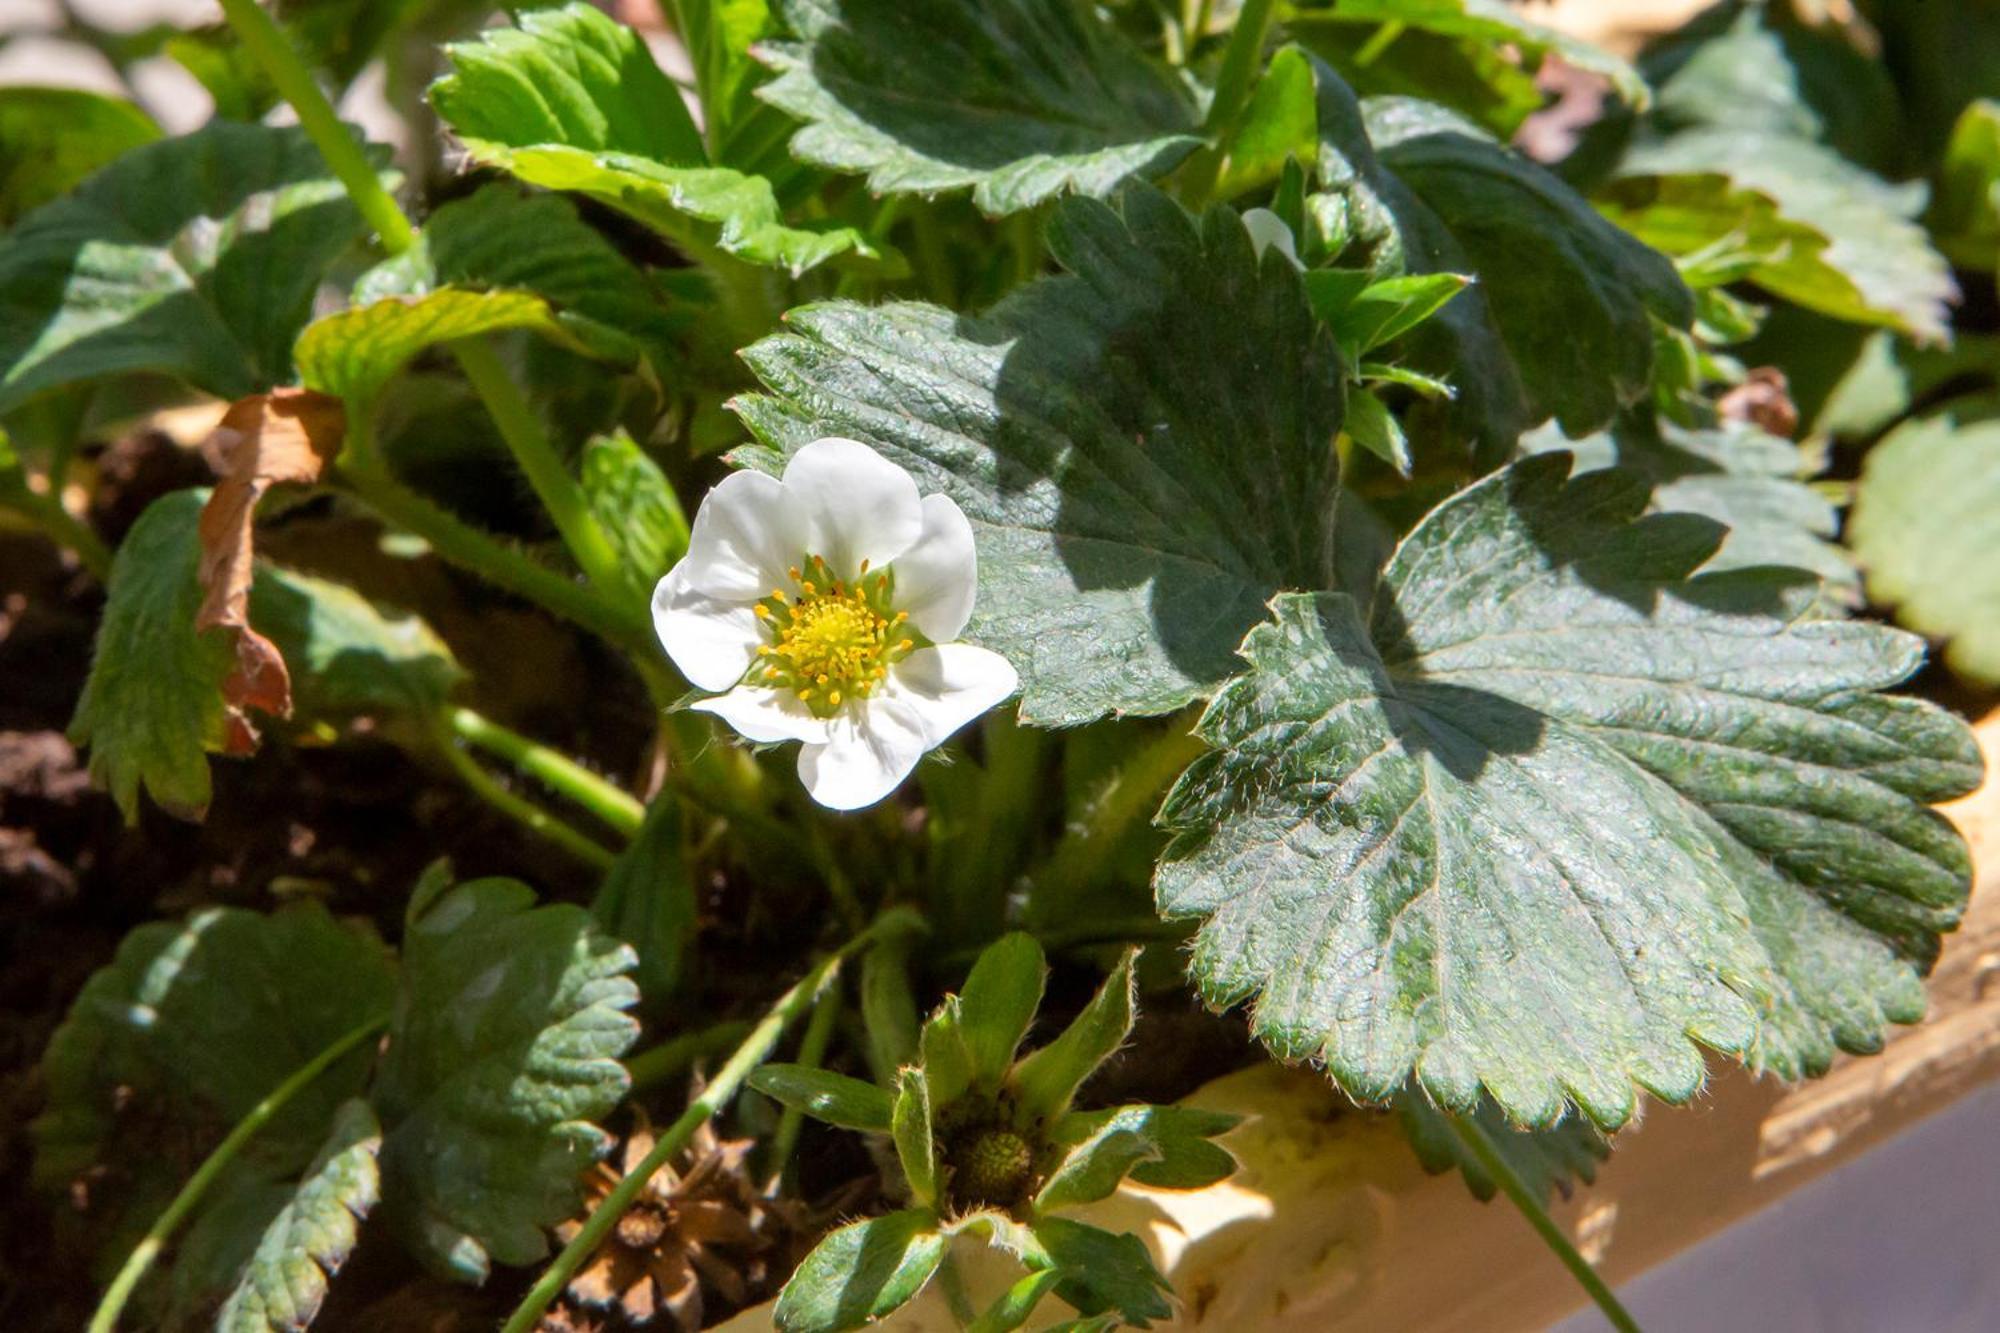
x=1545, y=811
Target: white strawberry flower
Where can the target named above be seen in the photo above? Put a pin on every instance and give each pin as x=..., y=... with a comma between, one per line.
x=824, y=608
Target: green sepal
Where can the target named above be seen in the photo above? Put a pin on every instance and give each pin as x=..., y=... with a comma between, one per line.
x=824, y=1095
x=997, y=1004
x=1046, y=1079
x=916, y=1149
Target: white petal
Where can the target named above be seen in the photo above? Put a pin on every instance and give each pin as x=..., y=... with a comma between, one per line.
x=711, y=639
x=766, y=715
x=868, y=752
x=748, y=532
x=949, y=685
x=856, y=504
x=937, y=577
x=1268, y=229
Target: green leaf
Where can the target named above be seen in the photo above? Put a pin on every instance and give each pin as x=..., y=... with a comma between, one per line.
x=998, y=1002
x=824, y=1095
x=1965, y=215
x=1045, y=1079
x=1371, y=425
x=1020, y=100
x=354, y=353
x=571, y=100
x=861, y=1273
x=1548, y=808
x=1165, y=1146
x=1841, y=241
x=152, y=704
x=504, y=1051
x=196, y=257
x=636, y=506
x=1753, y=483
x=1142, y=446
x=916, y=1150
x=1926, y=527
x=1384, y=311
x=888, y=1006
x=1016, y=1305
x=1103, y=1271
x=647, y=899
x=52, y=138
x=347, y=655
x=946, y=1064
x=197, y=1021
x=1548, y=1161
x=503, y=240
x=719, y=35
x=312, y=1235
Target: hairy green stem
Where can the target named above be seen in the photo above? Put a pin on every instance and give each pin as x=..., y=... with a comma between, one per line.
x=267, y=45
x=1130, y=794
x=679, y=1054
x=1476, y=1142
x=556, y=771
x=754, y=1051
x=105, y=1319
x=517, y=808
x=812, y=1054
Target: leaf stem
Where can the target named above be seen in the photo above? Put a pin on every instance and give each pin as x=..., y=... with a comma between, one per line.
x=105, y=1319
x=62, y=527
x=754, y=1051
x=1232, y=88
x=269, y=48
x=677, y=1054
x=518, y=808
x=552, y=769
x=812, y=1054
x=1475, y=1141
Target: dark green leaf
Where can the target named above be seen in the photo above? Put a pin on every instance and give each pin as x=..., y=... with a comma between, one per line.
x=1104, y=1271
x=998, y=1002
x=861, y=1273
x=941, y=1050
x=888, y=1007
x=195, y=257
x=823, y=1095
x=152, y=704
x=1142, y=446
x=1045, y=1079
x=571, y=100
x=305, y=1244
x=1548, y=1161
x=1019, y=99
x=504, y=1051
x=1927, y=529
x=52, y=138
x=916, y=1150
x=1548, y=808
x=1016, y=1305
x=637, y=508
x=1165, y=1146
x=647, y=899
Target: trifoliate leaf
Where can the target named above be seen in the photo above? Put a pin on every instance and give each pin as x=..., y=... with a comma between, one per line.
x=1548, y=1161
x=52, y=138
x=312, y=1235
x=571, y=100
x=152, y=704
x=1143, y=446
x=195, y=257
x=1165, y=1146
x=504, y=1051
x=1543, y=808
x=1927, y=529
x=861, y=1273
x=1104, y=1271
x=1020, y=100
x=1753, y=483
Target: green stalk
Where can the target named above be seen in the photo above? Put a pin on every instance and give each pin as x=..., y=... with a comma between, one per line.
x=517, y=808
x=554, y=770
x=812, y=1054
x=755, y=1050
x=1232, y=89
x=1475, y=1142
x=294, y=82
x=679, y=1054
x=63, y=528
x=148, y=1249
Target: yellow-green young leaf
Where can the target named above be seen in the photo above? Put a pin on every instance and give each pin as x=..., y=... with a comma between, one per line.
x=286, y=1280
x=1045, y=1079
x=998, y=1002
x=1142, y=445
x=1548, y=1161
x=636, y=506
x=1020, y=100
x=198, y=1021
x=52, y=138
x=1541, y=811
x=824, y=1095
x=861, y=1273
x=569, y=99
x=503, y=1054
x=1927, y=530
x=196, y=257
x=1965, y=215
x=352, y=354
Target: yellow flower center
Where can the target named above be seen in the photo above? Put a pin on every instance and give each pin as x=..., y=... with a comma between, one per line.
x=831, y=641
